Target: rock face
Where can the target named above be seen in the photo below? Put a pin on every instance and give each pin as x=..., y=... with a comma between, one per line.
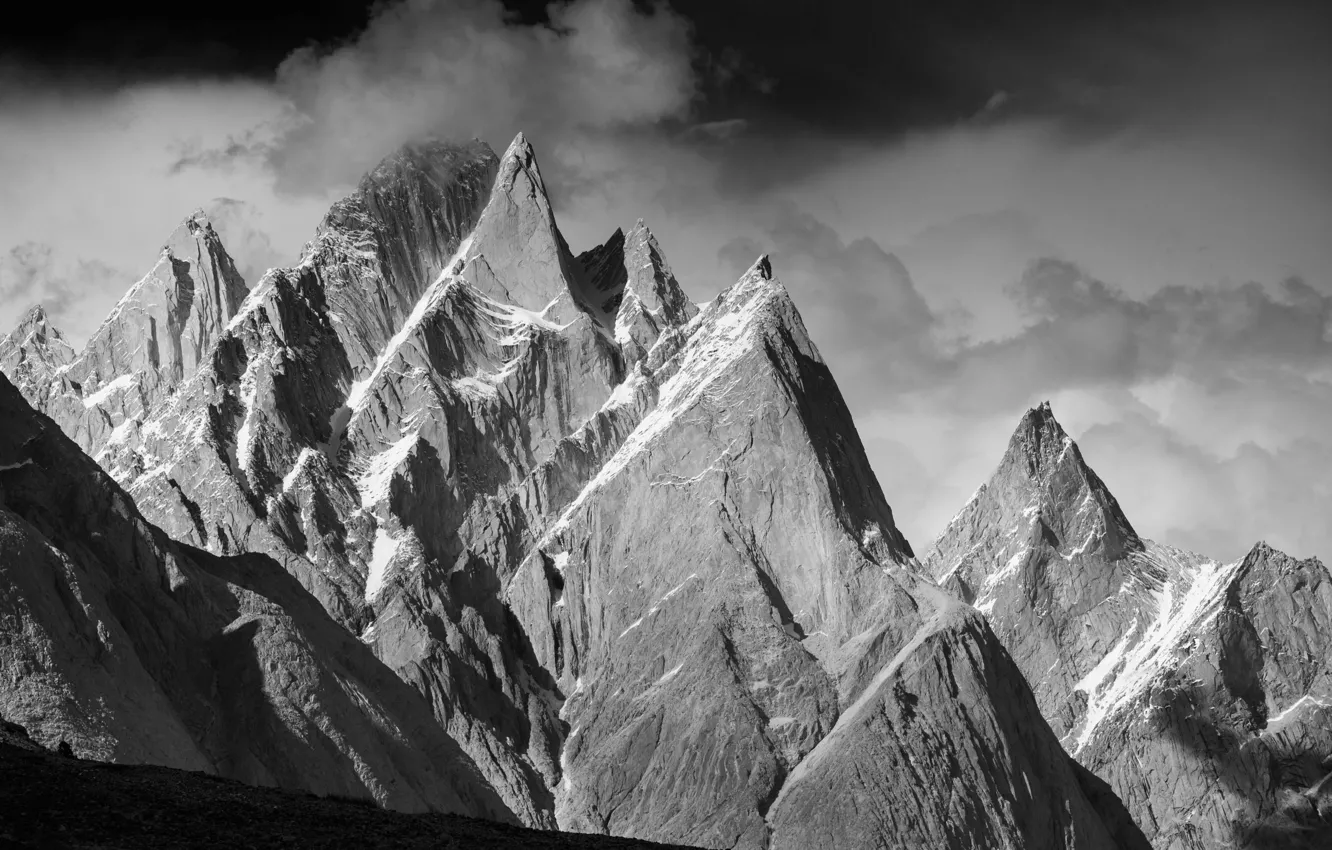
x=628, y=550
x=1199, y=691
x=34, y=352
x=160, y=333
x=131, y=647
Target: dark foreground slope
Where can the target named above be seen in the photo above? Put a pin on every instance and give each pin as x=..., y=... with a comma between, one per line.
x=47, y=800
x=133, y=648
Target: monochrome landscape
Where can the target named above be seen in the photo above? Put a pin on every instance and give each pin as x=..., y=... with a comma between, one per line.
x=456, y=531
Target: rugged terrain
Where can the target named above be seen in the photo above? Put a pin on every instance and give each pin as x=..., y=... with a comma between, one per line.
x=130, y=647
x=627, y=548
x=1201, y=692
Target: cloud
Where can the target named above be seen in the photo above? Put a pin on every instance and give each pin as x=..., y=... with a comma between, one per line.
x=462, y=69
x=1219, y=505
x=858, y=298
x=241, y=226
x=35, y=273
x=1085, y=332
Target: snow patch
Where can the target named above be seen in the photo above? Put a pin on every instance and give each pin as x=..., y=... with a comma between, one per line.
x=706, y=370
x=670, y=674
x=123, y=382
x=5, y=467
x=303, y=458
x=635, y=624
x=1295, y=707
x=381, y=554
x=121, y=432
x=1185, y=604
x=428, y=300
x=779, y=722
x=374, y=482
x=249, y=386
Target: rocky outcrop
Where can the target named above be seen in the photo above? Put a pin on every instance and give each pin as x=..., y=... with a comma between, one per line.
x=1196, y=690
x=629, y=551
x=129, y=647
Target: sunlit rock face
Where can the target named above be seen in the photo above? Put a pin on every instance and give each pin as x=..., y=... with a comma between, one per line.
x=33, y=353
x=1199, y=691
x=159, y=333
x=628, y=549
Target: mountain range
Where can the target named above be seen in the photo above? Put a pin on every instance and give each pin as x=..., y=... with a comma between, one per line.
x=448, y=517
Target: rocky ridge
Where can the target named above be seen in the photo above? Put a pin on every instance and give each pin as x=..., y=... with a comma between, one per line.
x=158, y=334
x=561, y=502
x=1199, y=691
x=128, y=646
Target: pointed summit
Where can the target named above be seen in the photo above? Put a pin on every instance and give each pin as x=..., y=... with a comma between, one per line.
x=33, y=353
x=628, y=280
x=604, y=273
x=527, y=263
x=1041, y=441
x=170, y=318
x=651, y=280
x=1045, y=550
x=762, y=268
x=158, y=334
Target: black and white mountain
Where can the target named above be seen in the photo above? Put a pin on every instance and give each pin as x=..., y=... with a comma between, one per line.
x=622, y=553
x=1200, y=691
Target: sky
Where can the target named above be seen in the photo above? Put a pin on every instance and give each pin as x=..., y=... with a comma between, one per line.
x=1123, y=208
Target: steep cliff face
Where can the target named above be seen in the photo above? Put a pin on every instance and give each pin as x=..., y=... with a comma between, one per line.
x=628, y=550
x=159, y=333
x=1044, y=550
x=133, y=648
x=749, y=656
x=1158, y=668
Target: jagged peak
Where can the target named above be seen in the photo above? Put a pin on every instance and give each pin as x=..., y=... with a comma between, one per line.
x=36, y=329
x=520, y=149
x=650, y=279
x=520, y=157
x=185, y=236
x=761, y=270
x=35, y=315
x=1269, y=562
x=1264, y=551
x=1040, y=443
